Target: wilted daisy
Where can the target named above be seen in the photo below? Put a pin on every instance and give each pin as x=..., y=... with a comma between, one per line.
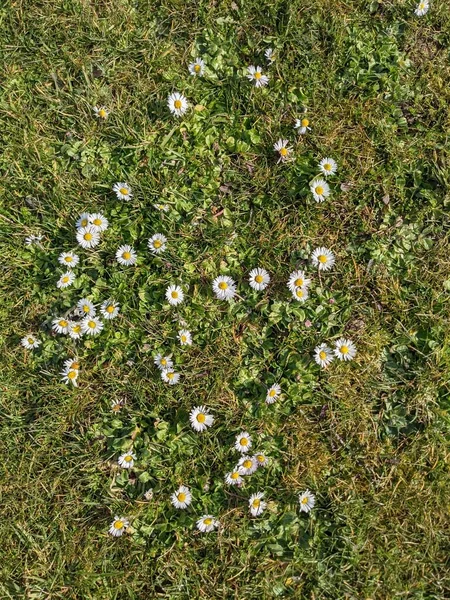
x=68, y=259
x=255, y=74
x=65, y=280
x=261, y=459
x=60, y=325
x=91, y=326
x=344, y=349
x=86, y=308
x=258, y=279
x=70, y=376
x=224, y=287
x=300, y=294
x=72, y=363
x=75, y=330
x=234, y=477
x=118, y=526
x=126, y=255
x=323, y=355
x=281, y=146
x=200, y=418
x=33, y=240
x=302, y=125
x=174, y=295
x=185, y=337
x=243, y=442
x=163, y=362
x=83, y=220
x=273, y=393
x=247, y=465
x=269, y=54
x=328, y=166
x=182, y=497
x=100, y=112
x=323, y=258
x=257, y=504
x=320, y=190
x=30, y=342
x=117, y=405
x=422, y=8
x=157, y=243
x=307, y=501
x=88, y=237
x=110, y=309
x=126, y=460
x=197, y=67
x=177, y=104
x=207, y=523
x=99, y=222
x=123, y=191
x=298, y=279
x=170, y=376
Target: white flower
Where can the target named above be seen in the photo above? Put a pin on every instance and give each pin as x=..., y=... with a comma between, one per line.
x=126, y=255
x=281, y=146
x=177, y=104
x=258, y=279
x=234, y=477
x=344, y=349
x=72, y=363
x=243, y=442
x=70, y=376
x=307, y=501
x=117, y=405
x=123, y=191
x=110, y=309
x=328, y=166
x=118, y=526
x=182, y=497
x=88, y=237
x=174, y=295
x=323, y=258
x=298, y=279
x=273, y=393
x=162, y=207
x=126, y=460
x=323, y=355
x=300, y=294
x=83, y=220
x=197, y=67
x=148, y=495
x=185, y=337
x=269, y=55
x=85, y=308
x=261, y=459
x=75, y=330
x=224, y=287
x=247, y=465
x=302, y=125
x=257, y=504
x=100, y=112
x=91, y=326
x=99, y=222
x=207, y=523
x=60, y=325
x=65, y=280
x=422, y=8
x=255, y=74
x=169, y=376
x=68, y=259
x=163, y=362
x=320, y=189
x=30, y=342
x=200, y=418
x=157, y=243
x=33, y=240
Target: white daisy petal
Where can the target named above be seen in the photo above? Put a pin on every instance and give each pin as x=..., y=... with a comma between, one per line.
x=302, y=126
x=328, y=166
x=157, y=243
x=177, y=104
x=247, y=465
x=65, y=280
x=197, y=67
x=255, y=74
x=320, y=190
x=85, y=308
x=61, y=325
x=123, y=191
x=307, y=500
x=200, y=418
x=243, y=442
x=100, y=112
x=273, y=393
x=88, y=237
x=298, y=279
x=30, y=342
x=174, y=295
x=256, y=504
x=344, y=349
x=224, y=287
x=185, y=337
x=182, y=497
x=322, y=258
x=119, y=526
x=126, y=460
x=258, y=279
x=163, y=362
x=126, y=255
x=91, y=326
x=207, y=523
x=283, y=149
x=68, y=259
x=99, y=222
x=170, y=376
x=323, y=355
x=110, y=309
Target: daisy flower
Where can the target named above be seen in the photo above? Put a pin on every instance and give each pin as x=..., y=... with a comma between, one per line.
x=118, y=526
x=182, y=497
x=300, y=294
x=68, y=259
x=323, y=355
x=255, y=74
x=307, y=501
x=75, y=330
x=302, y=125
x=126, y=255
x=169, y=376
x=422, y=8
x=197, y=67
x=70, y=376
x=33, y=240
x=224, y=287
x=117, y=405
x=258, y=279
x=185, y=337
x=99, y=222
x=261, y=459
x=281, y=146
x=323, y=258
x=123, y=191
x=320, y=189
x=273, y=393
x=200, y=418
x=234, y=477
x=86, y=308
x=60, y=325
x=72, y=363
x=297, y=279
x=256, y=504
x=243, y=442
x=177, y=104
x=207, y=523
x=65, y=280
x=91, y=326
x=162, y=207
x=88, y=237
x=126, y=460
x=247, y=465
x=174, y=295
x=110, y=309
x=157, y=243
x=30, y=342
x=163, y=362
x=100, y=112
x=344, y=349
x=269, y=54
x=83, y=220
x=328, y=166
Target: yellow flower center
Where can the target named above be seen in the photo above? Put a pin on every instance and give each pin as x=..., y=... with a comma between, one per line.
x=247, y=464
x=319, y=190
x=72, y=374
x=207, y=521
x=421, y=5
x=84, y=222
x=322, y=355
x=259, y=279
x=63, y=323
x=75, y=365
x=183, y=339
x=128, y=458
x=68, y=259
x=174, y=294
x=170, y=375
x=92, y=324
x=258, y=75
x=30, y=341
x=157, y=244
x=327, y=167
x=116, y=407
x=298, y=282
x=97, y=222
x=305, y=122
x=76, y=328
x=197, y=68
x=118, y=524
x=283, y=151
x=223, y=285
x=163, y=362
x=88, y=237
x=256, y=502
x=181, y=497
x=201, y=418
x=244, y=441
x=102, y=113
x=322, y=258
x=272, y=393
x=124, y=191
x=344, y=349
x=260, y=458
x=300, y=293
x=110, y=309
x=178, y=104
x=235, y=475
x=86, y=308
x=66, y=279
x=126, y=255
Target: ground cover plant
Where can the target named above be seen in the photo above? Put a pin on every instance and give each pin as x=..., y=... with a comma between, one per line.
x=225, y=299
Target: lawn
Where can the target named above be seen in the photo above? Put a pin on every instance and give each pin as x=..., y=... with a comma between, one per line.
x=369, y=437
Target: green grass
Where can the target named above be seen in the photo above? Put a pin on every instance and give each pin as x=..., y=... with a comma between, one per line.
x=370, y=437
